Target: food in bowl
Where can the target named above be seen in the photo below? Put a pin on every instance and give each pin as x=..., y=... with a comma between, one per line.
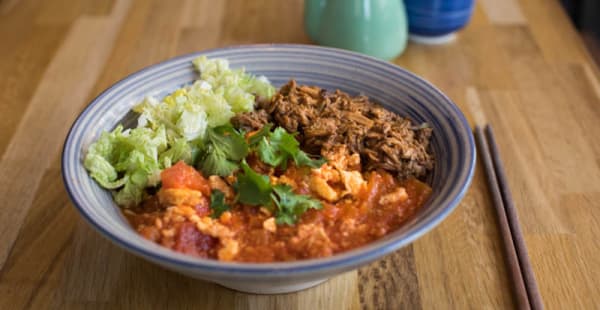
x=394, y=88
x=229, y=169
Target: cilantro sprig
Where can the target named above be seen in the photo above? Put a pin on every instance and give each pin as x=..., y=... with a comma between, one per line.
x=224, y=149
x=277, y=147
x=252, y=188
x=290, y=206
x=217, y=203
x=259, y=135
x=255, y=189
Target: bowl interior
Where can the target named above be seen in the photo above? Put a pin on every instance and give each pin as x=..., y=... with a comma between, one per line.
x=332, y=69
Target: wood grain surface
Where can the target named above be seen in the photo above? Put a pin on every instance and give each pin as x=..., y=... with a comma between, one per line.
x=519, y=65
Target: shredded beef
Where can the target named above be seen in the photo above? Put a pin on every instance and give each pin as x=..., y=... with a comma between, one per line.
x=251, y=120
x=324, y=120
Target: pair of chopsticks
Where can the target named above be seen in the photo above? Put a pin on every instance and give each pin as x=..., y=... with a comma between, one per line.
x=525, y=287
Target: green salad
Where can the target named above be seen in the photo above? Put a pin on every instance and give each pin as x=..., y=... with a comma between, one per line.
x=190, y=123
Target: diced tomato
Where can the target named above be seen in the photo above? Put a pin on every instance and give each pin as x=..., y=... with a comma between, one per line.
x=374, y=184
x=203, y=209
x=190, y=241
x=251, y=133
x=182, y=175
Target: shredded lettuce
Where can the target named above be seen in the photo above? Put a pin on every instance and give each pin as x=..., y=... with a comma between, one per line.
x=177, y=113
x=211, y=101
x=179, y=150
x=127, y=159
x=171, y=129
x=235, y=86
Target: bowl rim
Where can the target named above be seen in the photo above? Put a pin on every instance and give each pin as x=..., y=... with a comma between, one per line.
x=345, y=260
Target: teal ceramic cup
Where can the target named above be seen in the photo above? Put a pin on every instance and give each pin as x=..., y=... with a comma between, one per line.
x=373, y=27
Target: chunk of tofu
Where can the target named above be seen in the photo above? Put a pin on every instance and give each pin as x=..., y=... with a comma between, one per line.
x=287, y=180
x=326, y=172
x=396, y=196
x=313, y=240
x=270, y=225
x=229, y=250
x=322, y=189
x=353, y=182
x=179, y=196
x=339, y=157
x=213, y=228
x=216, y=182
x=354, y=162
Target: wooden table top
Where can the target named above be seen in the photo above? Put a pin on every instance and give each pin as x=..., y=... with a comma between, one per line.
x=519, y=65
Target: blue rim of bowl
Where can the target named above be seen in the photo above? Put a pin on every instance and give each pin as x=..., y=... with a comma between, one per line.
x=346, y=260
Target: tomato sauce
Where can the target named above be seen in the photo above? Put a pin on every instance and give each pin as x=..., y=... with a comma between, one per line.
x=380, y=207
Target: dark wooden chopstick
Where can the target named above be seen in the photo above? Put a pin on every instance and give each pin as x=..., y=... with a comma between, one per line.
x=524, y=286
x=510, y=253
x=535, y=299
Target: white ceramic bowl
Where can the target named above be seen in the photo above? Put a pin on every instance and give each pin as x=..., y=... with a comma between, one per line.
x=393, y=87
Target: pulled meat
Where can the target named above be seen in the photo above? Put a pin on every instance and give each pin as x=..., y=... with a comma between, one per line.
x=325, y=120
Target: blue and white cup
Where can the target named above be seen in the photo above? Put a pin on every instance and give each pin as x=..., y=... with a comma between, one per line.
x=436, y=21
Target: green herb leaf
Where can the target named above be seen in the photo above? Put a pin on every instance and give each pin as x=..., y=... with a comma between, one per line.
x=216, y=163
x=217, y=203
x=285, y=141
x=279, y=146
x=290, y=206
x=269, y=154
x=253, y=188
x=223, y=150
x=228, y=140
x=259, y=135
x=302, y=159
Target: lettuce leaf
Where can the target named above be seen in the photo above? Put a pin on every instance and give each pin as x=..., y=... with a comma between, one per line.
x=180, y=116
x=173, y=129
x=179, y=150
x=127, y=159
x=236, y=86
x=211, y=101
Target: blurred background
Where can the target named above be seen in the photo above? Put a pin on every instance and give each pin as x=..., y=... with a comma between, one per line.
x=585, y=15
